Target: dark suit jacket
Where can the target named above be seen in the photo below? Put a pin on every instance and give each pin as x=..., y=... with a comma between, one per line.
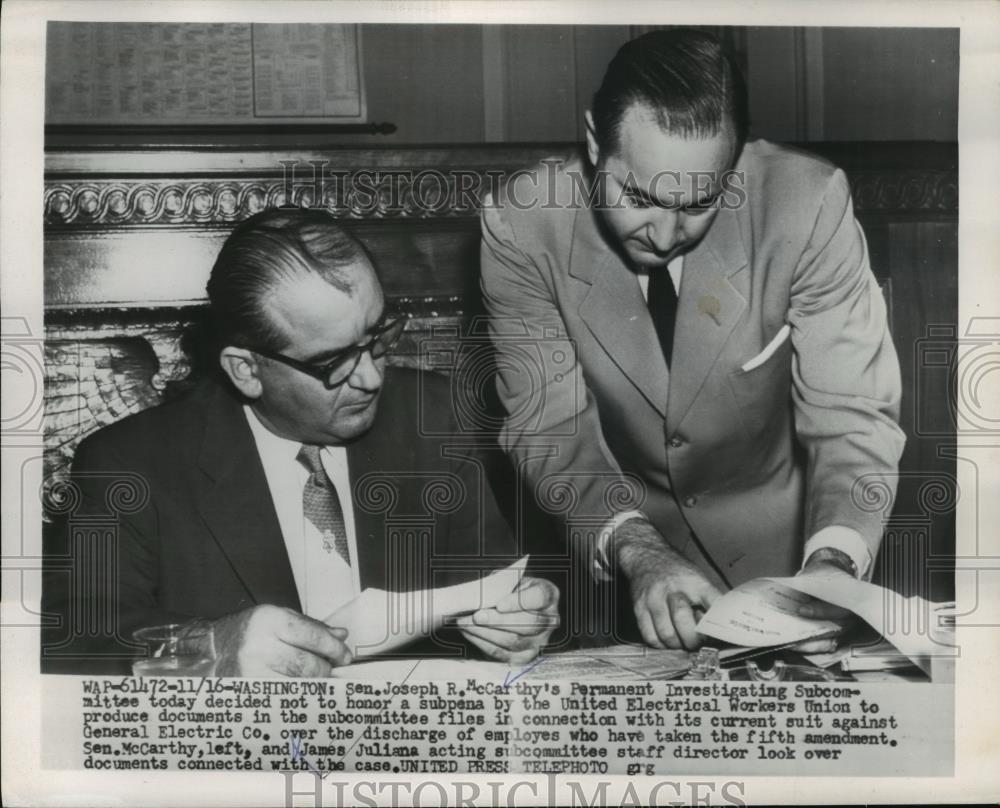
x=174, y=519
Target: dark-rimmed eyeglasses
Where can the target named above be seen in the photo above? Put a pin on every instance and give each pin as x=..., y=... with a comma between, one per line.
x=338, y=370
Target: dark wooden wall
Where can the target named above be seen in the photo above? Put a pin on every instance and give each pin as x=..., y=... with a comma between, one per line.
x=447, y=83
x=130, y=237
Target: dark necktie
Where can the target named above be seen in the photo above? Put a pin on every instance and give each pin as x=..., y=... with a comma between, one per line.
x=661, y=297
x=321, y=505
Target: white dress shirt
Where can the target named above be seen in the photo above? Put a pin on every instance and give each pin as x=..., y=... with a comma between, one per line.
x=323, y=580
x=836, y=537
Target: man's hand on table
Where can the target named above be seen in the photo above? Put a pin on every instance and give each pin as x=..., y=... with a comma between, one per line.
x=519, y=626
x=271, y=640
x=823, y=564
x=666, y=588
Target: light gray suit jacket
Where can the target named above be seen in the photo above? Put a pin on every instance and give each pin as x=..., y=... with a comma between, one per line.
x=736, y=468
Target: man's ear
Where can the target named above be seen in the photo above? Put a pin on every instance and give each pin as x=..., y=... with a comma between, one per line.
x=241, y=366
x=593, y=152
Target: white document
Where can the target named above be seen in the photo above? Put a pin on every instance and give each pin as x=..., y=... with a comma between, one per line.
x=762, y=612
x=912, y=625
x=379, y=621
x=410, y=670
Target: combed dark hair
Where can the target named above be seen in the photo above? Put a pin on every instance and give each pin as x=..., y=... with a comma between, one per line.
x=262, y=253
x=687, y=79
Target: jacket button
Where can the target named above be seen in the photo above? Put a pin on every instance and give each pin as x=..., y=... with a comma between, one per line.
x=676, y=442
x=690, y=502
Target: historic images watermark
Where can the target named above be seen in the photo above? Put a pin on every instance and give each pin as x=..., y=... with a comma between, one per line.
x=552, y=184
x=310, y=788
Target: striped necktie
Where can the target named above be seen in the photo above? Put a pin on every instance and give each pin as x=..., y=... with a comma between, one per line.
x=321, y=505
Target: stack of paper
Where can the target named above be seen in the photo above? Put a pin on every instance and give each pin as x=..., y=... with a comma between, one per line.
x=762, y=612
x=882, y=656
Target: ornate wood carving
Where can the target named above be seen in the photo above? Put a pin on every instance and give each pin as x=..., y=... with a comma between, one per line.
x=361, y=195
x=374, y=192
x=899, y=192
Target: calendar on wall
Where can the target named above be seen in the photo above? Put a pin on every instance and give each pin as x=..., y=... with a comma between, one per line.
x=174, y=74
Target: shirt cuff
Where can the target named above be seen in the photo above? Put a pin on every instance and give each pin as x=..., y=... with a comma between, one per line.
x=602, y=569
x=845, y=539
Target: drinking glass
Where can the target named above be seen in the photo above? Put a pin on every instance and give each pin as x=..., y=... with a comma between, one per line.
x=174, y=650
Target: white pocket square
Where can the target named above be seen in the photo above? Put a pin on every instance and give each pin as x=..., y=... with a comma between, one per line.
x=772, y=346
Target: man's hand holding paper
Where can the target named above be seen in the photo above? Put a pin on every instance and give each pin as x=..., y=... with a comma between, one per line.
x=519, y=626
x=816, y=609
x=668, y=592
x=271, y=640
x=764, y=612
x=507, y=616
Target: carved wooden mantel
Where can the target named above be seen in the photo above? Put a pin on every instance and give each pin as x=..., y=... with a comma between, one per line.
x=360, y=186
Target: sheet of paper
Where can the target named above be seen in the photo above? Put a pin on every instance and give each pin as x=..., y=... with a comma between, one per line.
x=582, y=668
x=621, y=662
x=830, y=658
x=880, y=657
x=911, y=624
x=408, y=670
x=657, y=664
x=616, y=661
x=761, y=612
x=379, y=621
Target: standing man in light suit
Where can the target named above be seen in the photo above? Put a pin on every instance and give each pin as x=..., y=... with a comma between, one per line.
x=707, y=329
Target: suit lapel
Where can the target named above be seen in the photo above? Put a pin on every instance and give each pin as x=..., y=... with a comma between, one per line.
x=615, y=312
x=714, y=290
x=236, y=506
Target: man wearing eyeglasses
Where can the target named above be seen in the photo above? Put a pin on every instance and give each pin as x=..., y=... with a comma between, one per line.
x=300, y=477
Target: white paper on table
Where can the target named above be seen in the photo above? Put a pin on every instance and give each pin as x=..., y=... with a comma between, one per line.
x=762, y=612
x=416, y=670
x=378, y=621
x=910, y=624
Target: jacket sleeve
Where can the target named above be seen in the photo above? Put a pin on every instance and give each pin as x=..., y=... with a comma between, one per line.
x=552, y=431
x=845, y=373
